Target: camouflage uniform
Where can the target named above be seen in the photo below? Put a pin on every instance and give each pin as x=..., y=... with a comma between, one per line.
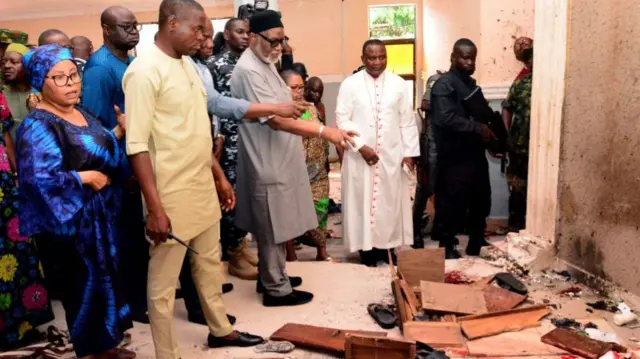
x=519, y=102
x=221, y=67
x=13, y=37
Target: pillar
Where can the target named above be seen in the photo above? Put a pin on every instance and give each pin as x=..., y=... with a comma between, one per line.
x=584, y=167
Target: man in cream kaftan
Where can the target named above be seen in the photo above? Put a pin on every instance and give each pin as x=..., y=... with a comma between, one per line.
x=375, y=192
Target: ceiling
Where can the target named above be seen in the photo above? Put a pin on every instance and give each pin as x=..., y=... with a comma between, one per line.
x=36, y=9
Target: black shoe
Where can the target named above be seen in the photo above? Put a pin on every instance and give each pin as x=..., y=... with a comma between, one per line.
x=384, y=256
x=243, y=340
x=451, y=253
x=295, y=282
x=227, y=287
x=418, y=243
x=140, y=317
x=368, y=258
x=199, y=319
x=297, y=297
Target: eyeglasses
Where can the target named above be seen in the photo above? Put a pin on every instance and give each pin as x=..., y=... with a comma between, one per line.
x=273, y=42
x=130, y=28
x=63, y=80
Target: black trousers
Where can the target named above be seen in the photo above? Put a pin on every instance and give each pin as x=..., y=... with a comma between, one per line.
x=134, y=250
x=463, y=192
x=423, y=192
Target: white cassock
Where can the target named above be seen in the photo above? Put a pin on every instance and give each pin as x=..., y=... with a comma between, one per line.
x=376, y=202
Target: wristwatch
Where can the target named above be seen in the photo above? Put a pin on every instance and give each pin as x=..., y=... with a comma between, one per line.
x=219, y=136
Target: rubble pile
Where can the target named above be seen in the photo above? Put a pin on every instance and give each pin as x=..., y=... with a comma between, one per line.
x=452, y=314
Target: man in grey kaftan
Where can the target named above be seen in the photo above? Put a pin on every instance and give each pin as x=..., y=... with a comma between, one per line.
x=274, y=200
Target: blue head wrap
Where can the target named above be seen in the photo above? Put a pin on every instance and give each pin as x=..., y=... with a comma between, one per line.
x=39, y=62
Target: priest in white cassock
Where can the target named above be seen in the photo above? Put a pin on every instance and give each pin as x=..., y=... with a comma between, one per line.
x=376, y=201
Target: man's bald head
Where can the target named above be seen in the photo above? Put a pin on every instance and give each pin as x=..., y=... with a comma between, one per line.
x=119, y=28
x=82, y=47
x=111, y=14
x=54, y=36
x=177, y=9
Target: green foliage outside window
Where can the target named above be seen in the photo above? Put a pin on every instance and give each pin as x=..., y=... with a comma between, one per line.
x=392, y=22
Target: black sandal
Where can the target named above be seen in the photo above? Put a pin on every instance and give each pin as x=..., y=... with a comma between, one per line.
x=383, y=315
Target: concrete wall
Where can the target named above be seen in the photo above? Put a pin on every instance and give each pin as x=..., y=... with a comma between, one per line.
x=599, y=205
x=492, y=24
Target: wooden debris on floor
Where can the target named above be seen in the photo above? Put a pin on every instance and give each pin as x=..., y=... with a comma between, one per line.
x=482, y=282
x=499, y=299
x=439, y=335
x=367, y=347
x=525, y=343
x=452, y=298
x=402, y=306
x=449, y=318
x=318, y=338
x=478, y=326
x=421, y=265
x=580, y=345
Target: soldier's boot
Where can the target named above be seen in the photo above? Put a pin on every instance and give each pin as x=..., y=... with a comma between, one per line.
x=248, y=255
x=240, y=266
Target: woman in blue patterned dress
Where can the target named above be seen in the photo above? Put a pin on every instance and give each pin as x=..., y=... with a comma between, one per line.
x=66, y=161
x=24, y=303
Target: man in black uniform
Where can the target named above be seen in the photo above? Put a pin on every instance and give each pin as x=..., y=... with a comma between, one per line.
x=463, y=190
x=426, y=167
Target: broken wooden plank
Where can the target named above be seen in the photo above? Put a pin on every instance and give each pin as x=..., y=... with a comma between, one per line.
x=452, y=298
x=440, y=335
x=318, y=338
x=525, y=343
x=577, y=344
x=401, y=304
x=451, y=318
x=410, y=297
x=478, y=326
x=418, y=265
x=366, y=347
x=499, y=299
x=483, y=282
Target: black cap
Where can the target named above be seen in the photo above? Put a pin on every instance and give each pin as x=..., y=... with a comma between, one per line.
x=264, y=20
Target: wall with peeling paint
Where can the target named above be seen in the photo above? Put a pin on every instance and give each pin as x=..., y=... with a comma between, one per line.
x=599, y=187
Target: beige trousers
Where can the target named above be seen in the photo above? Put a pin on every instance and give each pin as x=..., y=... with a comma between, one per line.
x=164, y=269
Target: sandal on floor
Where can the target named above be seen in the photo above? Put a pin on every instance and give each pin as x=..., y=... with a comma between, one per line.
x=59, y=340
x=383, y=315
x=275, y=347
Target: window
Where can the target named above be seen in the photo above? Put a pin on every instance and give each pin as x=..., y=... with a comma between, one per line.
x=392, y=22
x=148, y=32
x=395, y=25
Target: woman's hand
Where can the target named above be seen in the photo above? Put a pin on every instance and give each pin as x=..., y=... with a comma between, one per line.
x=94, y=179
x=226, y=194
x=121, y=118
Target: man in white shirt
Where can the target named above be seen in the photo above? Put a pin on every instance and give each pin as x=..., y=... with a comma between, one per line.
x=375, y=186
